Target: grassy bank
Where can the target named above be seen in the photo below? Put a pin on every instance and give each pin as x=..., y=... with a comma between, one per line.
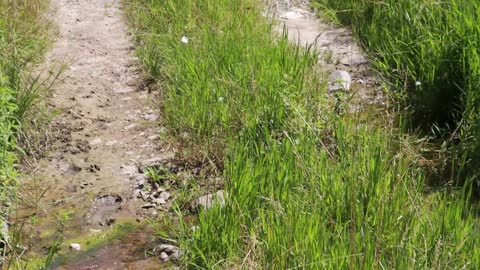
x=306, y=188
x=23, y=38
x=429, y=50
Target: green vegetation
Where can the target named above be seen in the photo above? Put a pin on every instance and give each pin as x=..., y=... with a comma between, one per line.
x=23, y=37
x=430, y=51
x=306, y=188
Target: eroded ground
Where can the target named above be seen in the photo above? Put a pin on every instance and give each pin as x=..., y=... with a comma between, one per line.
x=105, y=129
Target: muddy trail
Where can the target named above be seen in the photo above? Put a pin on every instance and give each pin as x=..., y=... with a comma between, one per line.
x=106, y=128
x=107, y=132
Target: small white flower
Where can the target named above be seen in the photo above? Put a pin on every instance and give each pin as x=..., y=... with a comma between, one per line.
x=221, y=99
x=184, y=40
x=417, y=84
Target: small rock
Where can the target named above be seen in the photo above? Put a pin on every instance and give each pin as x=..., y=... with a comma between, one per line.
x=168, y=248
x=164, y=256
x=293, y=14
x=154, y=161
x=130, y=126
x=159, y=201
x=150, y=117
x=95, y=141
x=208, y=201
x=149, y=206
x=140, y=180
x=111, y=143
x=164, y=196
x=154, y=137
x=107, y=222
x=339, y=80
x=75, y=247
x=129, y=170
x=145, y=196
x=353, y=60
x=137, y=193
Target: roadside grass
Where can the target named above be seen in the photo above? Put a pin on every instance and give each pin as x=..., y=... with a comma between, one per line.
x=429, y=50
x=306, y=188
x=24, y=36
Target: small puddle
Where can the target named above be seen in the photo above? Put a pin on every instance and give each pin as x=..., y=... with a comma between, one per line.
x=125, y=250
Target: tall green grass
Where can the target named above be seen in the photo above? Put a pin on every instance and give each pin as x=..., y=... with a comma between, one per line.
x=24, y=36
x=306, y=188
x=429, y=49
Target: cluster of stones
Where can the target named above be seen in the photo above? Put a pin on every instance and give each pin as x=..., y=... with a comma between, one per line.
x=154, y=196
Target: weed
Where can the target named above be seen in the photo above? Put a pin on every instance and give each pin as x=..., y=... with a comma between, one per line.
x=24, y=35
x=429, y=50
x=306, y=188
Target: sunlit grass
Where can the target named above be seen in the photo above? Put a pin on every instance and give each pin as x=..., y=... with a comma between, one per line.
x=429, y=50
x=24, y=36
x=307, y=189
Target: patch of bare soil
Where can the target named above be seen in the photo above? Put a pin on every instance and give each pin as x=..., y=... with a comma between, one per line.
x=105, y=128
x=339, y=53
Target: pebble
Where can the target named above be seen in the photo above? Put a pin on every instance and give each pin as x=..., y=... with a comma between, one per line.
x=209, y=200
x=129, y=169
x=164, y=196
x=75, y=246
x=137, y=193
x=159, y=201
x=96, y=141
x=111, y=143
x=353, y=60
x=164, y=256
x=154, y=137
x=339, y=80
x=130, y=126
x=149, y=205
x=150, y=117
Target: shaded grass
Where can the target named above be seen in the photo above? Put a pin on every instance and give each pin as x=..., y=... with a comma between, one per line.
x=306, y=188
x=429, y=50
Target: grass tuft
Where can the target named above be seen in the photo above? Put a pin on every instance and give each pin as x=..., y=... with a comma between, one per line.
x=305, y=188
x=429, y=50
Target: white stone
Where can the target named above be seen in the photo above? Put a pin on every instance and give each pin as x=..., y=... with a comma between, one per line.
x=111, y=143
x=339, y=80
x=129, y=170
x=154, y=137
x=353, y=60
x=96, y=141
x=164, y=256
x=209, y=200
x=130, y=126
x=75, y=247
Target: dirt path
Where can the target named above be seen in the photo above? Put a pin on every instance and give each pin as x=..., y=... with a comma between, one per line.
x=104, y=130
x=337, y=49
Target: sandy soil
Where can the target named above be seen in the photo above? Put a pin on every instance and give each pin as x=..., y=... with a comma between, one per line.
x=104, y=129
